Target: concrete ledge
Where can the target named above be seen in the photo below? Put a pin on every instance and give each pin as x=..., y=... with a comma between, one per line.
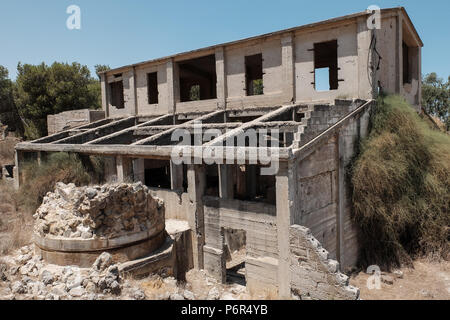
x=162, y=258
x=83, y=245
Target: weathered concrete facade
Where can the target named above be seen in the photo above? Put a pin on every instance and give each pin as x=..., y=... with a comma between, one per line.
x=72, y=119
x=261, y=83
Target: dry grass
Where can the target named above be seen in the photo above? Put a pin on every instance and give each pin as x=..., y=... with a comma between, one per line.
x=401, y=188
x=15, y=226
x=7, y=150
x=58, y=167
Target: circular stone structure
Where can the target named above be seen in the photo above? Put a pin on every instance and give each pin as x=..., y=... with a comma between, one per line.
x=75, y=225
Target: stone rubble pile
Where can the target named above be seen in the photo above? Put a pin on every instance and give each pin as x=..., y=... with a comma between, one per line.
x=104, y=212
x=29, y=278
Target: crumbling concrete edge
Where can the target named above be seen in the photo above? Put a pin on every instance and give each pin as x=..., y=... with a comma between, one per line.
x=313, y=275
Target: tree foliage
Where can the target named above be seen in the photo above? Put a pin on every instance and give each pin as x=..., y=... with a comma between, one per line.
x=436, y=97
x=42, y=90
x=8, y=111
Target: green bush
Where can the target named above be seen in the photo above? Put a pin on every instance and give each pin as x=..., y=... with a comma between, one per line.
x=401, y=187
x=57, y=167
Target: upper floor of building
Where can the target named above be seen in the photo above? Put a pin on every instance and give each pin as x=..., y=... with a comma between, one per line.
x=353, y=56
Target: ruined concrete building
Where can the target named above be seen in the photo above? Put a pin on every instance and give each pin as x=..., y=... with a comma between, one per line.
x=264, y=82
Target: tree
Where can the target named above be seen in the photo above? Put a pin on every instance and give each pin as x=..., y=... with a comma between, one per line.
x=436, y=97
x=42, y=90
x=100, y=68
x=8, y=111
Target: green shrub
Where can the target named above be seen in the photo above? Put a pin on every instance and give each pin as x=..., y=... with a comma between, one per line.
x=57, y=167
x=401, y=187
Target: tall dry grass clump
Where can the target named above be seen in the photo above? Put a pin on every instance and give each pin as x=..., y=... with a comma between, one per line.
x=401, y=187
x=57, y=167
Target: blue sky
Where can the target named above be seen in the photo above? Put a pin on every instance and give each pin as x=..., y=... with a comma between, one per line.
x=118, y=32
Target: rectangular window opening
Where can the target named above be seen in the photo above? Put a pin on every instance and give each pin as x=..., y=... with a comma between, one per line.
x=254, y=75
x=198, y=79
x=157, y=173
x=325, y=61
x=152, y=87
x=117, y=99
x=235, y=253
x=406, y=64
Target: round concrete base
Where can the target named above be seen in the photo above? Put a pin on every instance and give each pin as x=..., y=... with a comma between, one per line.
x=83, y=253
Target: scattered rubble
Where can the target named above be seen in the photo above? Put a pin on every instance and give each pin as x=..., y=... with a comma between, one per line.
x=103, y=212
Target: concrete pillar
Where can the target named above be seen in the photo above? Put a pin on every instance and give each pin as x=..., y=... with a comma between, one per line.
x=105, y=95
x=288, y=65
x=196, y=188
x=124, y=169
x=133, y=81
x=340, y=207
x=17, y=172
x=173, y=90
x=110, y=173
x=176, y=176
x=139, y=170
x=366, y=80
x=226, y=181
x=399, y=55
x=221, y=78
x=286, y=200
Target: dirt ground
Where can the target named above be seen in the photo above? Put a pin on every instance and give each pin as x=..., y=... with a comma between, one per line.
x=426, y=281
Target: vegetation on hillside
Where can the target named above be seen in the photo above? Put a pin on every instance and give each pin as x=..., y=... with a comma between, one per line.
x=57, y=167
x=401, y=187
x=436, y=97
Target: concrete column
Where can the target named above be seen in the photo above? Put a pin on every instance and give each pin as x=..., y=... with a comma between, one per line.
x=366, y=82
x=17, y=172
x=288, y=65
x=124, y=169
x=105, y=95
x=172, y=86
x=110, y=172
x=399, y=56
x=286, y=199
x=135, y=91
x=226, y=181
x=340, y=203
x=139, y=170
x=196, y=188
x=176, y=176
x=221, y=78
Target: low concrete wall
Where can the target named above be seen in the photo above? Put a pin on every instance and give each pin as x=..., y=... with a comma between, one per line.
x=176, y=204
x=71, y=119
x=313, y=275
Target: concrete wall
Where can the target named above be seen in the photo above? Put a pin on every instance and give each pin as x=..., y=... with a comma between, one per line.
x=288, y=67
x=323, y=195
x=71, y=119
x=144, y=107
x=347, y=50
x=259, y=222
x=312, y=275
x=177, y=204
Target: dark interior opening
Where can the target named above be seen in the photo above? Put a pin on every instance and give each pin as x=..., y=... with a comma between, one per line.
x=116, y=89
x=198, y=79
x=212, y=180
x=250, y=185
x=325, y=56
x=152, y=87
x=254, y=75
x=235, y=253
x=157, y=173
x=406, y=66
